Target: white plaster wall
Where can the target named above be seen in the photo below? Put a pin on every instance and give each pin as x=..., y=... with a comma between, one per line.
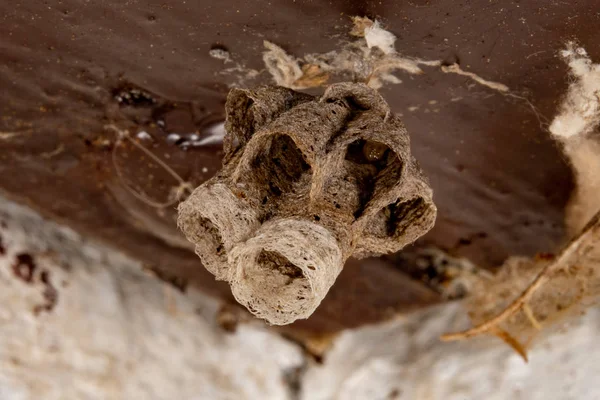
x=405, y=360
x=117, y=333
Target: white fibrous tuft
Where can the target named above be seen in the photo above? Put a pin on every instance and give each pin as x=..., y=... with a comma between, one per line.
x=580, y=110
x=376, y=36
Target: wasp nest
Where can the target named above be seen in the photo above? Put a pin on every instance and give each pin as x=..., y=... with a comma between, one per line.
x=306, y=183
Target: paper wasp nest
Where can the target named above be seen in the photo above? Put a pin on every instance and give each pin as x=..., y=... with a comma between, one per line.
x=306, y=183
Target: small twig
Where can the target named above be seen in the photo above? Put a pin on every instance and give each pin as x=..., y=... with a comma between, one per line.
x=529, y=313
x=511, y=341
x=560, y=262
x=535, y=54
x=455, y=69
x=7, y=135
x=55, y=152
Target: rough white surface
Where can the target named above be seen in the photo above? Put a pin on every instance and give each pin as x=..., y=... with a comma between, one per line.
x=580, y=110
x=405, y=360
x=117, y=333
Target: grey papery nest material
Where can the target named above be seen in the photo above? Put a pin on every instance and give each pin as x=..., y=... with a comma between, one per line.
x=306, y=183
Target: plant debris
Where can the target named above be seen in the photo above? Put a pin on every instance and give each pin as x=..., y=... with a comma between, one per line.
x=529, y=295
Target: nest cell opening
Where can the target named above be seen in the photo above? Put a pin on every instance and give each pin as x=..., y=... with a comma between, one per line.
x=285, y=270
x=273, y=284
x=282, y=277
x=368, y=161
x=211, y=235
x=393, y=220
x=242, y=121
x=210, y=247
x=278, y=166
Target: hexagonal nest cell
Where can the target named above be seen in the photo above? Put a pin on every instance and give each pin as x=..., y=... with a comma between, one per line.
x=307, y=182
